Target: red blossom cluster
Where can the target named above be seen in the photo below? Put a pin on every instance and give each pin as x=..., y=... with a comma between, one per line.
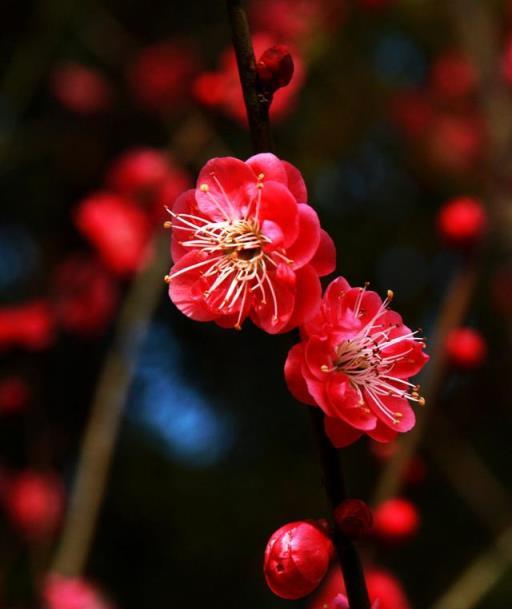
x=443, y=119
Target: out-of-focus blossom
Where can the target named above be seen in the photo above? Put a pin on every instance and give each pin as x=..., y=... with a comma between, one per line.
x=15, y=394
x=453, y=76
x=221, y=89
x=412, y=111
x=354, y=518
x=396, y=520
x=148, y=176
x=465, y=348
x=246, y=243
x=160, y=76
x=61, y=592
x=297, y=557
x=117, y=228
x=462, y=221
x=296, y=21
x=455, y=142
x=384, y=589
x=30, y=325
x=354, y=362
x=81, y=89
x=84, y=296
x=35, y=502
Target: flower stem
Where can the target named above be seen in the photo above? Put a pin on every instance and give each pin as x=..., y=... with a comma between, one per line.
x=257, y=106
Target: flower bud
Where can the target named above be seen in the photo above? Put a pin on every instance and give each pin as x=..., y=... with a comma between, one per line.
x=465, y=348
x=396, y=520
x=138, y=172
x=72, y=593
x=81, y=89
x=354, y=518
x=462, y=221
x=296, y=559
x=275, y=68
x=14, y=394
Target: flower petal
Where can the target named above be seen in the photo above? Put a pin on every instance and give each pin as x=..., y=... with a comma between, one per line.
x=225, y=187
x=270, y=166
x=296, y=184
x=184, y=204
x=308, y=294
x=401, y=416
x=308, y=238
x=339, y=433
x=278, y=205
x=293, y=375
x=324, y=260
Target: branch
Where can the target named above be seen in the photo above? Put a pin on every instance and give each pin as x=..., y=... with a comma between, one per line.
x=257, y=106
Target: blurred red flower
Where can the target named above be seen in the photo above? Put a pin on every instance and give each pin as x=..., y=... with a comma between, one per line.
x=462, y=221
x=14, y=394
x=221, y=89
x=297, y=557
x=84, y=296
x=148, y=176
x=30, y=325
x=296, y=21
x=453, y=76
x=35, y=502
x=354, y=362
x=160, y=75
x=465, y=348
x=72, y=593
x=246, y=243
x=117, y=228
x=81, y=89
x=384, y=589
x=396, y=520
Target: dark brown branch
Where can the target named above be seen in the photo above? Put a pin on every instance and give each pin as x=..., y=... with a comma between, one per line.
x=257, y=106
x=257, y=103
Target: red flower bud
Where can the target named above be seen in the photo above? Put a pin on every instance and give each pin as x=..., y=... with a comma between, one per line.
x=297, y=557
x=453, y=76
x=275, y=68
x=72, y=593
x=396, y=520
x=30, y=325
x=138, y=172
x=465, y=348
x=354, y=518
x=462, y=221
x=35, y=502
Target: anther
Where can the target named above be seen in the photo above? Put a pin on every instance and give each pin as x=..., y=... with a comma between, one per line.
x=261, y=176
x=390, y=294
x=422, y=402
x=167, y=279
x=203, y=188
x=324, y=368
x=167, y=224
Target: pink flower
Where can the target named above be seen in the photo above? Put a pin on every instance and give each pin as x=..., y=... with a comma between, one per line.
x=71, y=593
x=246, y=243
x=118, y=229
x=221, y=89
x=354, y=362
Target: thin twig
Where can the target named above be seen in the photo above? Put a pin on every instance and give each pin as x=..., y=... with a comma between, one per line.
x=256, y=102
x=257, y=107
x=104, y=420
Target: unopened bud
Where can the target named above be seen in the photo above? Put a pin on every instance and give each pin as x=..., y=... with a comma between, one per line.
x=354, y=518
x=275, y=68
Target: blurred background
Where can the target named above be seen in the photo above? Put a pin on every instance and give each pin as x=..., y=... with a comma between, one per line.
x=108, y=110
